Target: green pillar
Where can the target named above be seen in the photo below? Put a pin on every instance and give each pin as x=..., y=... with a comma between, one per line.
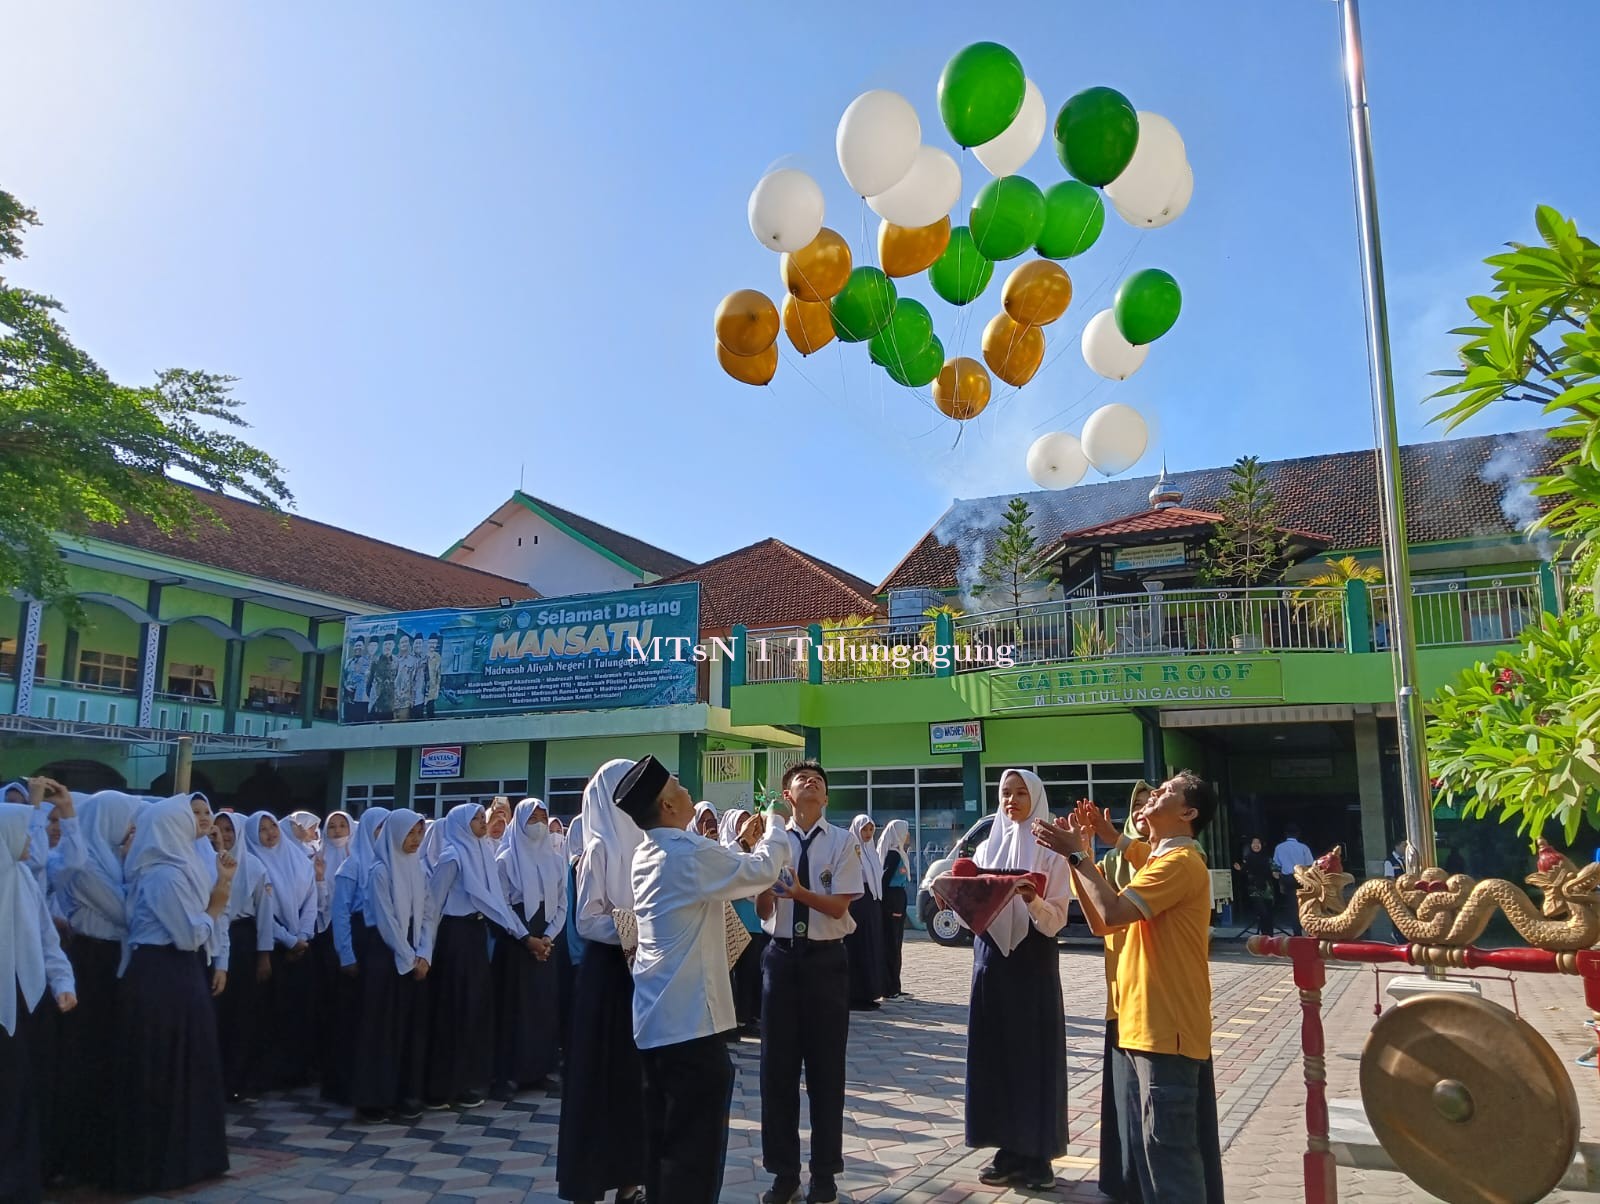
x=691, y=746
x=813, y=743
x=1369, y=787
x=736, y=670
x=404, y=760
x=814, y=655
x=1155, y=752
x=233, y=669
x=333, y=795
x=972, y=781
x=761, y=766
x=1549, y=596
x=944, y=635
x=536, y=768
x=1357, y=617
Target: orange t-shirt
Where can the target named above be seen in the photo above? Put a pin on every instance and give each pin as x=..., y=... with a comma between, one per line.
x=1163, y=986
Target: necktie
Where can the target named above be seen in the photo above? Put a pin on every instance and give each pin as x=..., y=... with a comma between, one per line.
x=802, y=913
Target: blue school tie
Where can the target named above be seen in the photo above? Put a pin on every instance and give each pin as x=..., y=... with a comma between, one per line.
x=802, y=913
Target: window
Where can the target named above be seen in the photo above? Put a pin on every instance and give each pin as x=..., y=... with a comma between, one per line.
x=564, y=796
x=108, y=670
x=192, y=681
x=328, y=704
x=279, y=695
x=435, y=798
x=358, y=798
x=8, y=659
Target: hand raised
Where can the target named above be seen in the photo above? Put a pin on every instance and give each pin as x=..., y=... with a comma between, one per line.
x=752, y=830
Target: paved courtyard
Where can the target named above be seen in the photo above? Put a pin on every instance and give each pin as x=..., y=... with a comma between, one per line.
x=903, y=1135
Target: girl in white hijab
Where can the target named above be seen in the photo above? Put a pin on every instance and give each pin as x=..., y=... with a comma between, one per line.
x=348, y=934
x=601, y=1144
x=533, y=874
x=1016, y=1090
x=465, y=893
x=865, y=943
x=894, y=854
x=746, y=972
x=291, y=1001
x=241, y=1006
x=705, y=820
x=391, y=1039
x=30, y=961
x=168, y=1123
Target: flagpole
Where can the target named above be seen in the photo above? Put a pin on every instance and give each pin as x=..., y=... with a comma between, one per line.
x=1414, y=785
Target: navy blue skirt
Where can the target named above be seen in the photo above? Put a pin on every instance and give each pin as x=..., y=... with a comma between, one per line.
x=602, y=1137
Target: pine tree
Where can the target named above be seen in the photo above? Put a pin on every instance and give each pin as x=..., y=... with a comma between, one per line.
x=1248, y=547
x=1015, y=562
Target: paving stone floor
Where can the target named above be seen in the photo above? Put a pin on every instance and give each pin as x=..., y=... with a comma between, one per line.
x=903, y=1132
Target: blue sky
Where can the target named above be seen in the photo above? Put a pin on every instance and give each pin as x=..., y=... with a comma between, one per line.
x=445, y=250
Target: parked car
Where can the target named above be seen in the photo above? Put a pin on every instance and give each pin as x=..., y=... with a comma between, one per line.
x=941, y=922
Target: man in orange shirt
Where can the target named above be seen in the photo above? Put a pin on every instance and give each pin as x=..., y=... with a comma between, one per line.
x=1163, y=986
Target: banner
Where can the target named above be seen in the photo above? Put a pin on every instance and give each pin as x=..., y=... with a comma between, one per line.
x=1214, y=681
x=580, y=653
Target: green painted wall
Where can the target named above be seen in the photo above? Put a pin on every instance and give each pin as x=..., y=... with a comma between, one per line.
x=495, y=761
x=178, y=602
x=108, y=631
x=191, y=644
x=369, y=767
x=53, y=635
x=890, y=744
x=1106, y=737
x=580, y=758
x=258, y=657
x=1183, y=751
x=258, y=617
x=100, y=581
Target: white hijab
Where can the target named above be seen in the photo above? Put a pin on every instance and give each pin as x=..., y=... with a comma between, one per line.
x=558, y=840
x=700, y=809
x=103, y=823
x=574, y=840
x=1010, y=846
x=895, y=838
x=532, y=862
x=432, y=844
x=304, y=819
x=406, y=897
x=608, y=825
x=249, y=871
x=165, y=838
x=287, y=869
x=728, y=827
x=21, y=945
x=473, y=855
x=871, y=863
x=358, y=866
x=336, y=850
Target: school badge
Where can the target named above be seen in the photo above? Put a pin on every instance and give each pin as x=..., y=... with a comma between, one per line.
x=827, y=882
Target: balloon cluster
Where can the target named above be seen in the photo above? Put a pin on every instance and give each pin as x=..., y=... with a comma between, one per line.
x=1114, y=437
x=1136, y=160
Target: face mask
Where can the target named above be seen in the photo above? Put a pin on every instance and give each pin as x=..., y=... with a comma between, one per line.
x=537, y=832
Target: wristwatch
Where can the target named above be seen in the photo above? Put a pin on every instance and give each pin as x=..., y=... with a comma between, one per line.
x=1074, y=858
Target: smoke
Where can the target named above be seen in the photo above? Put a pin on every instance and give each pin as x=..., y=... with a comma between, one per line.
x=1510, y=468
x=969, y=526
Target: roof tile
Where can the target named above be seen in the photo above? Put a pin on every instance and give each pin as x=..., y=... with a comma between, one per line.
x=770, y=584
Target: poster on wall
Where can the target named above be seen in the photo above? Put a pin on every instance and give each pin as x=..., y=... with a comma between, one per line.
x=632, y=648
x=439, y=761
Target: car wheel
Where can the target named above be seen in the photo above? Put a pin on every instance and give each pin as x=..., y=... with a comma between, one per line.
x=946, y=930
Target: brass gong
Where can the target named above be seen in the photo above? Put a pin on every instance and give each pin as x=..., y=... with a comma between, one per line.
x=1469, y=1100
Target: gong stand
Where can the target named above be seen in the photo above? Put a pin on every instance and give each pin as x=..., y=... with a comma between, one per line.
x=1309, y=957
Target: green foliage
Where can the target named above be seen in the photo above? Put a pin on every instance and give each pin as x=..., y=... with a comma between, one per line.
x=1015, y=563
x=1248, y=547
x=77, y=448
x=929, y=633
x=1088, y=640
x=1316, y=600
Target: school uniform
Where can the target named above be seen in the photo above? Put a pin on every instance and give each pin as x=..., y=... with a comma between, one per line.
x=894, y=856
x=331, y=986
x=342, y=1015
x=527, y=1015
x=240, y=1007
x=864, y=943
x=745, y=977
x=601, y=1144
x=31, y=963
x=464, y=892
x=168, y=1127
x=391, y=1039
x=805, y=1005
x=569, y=945
x=682, y=998
x=285, y=1002
x=1016, y=1088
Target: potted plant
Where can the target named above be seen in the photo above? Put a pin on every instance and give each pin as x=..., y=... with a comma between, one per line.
x=1246, y=551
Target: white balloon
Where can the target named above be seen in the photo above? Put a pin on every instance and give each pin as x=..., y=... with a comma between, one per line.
x=1056, y=460
x=1170, y=212
x=785, y=210
x=1114, y=438
x=877, y=141
x=1107, y=352
x=1006, y=152
x=927, y=193
x=1154, y=176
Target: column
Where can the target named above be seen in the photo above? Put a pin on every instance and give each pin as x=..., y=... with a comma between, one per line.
x=972, y=781
x=310, y=680
x=536, y=768
x=233, y=670
x=813, y=737
x=27, y=654
x=404, y=760
x=149, y=654
x=691, y=745
x=1369, y=777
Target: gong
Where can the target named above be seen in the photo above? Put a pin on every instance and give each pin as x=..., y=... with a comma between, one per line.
x=1469, y=1100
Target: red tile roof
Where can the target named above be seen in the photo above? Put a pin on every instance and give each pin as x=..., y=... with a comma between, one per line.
x=291, y=550
x=1173, y=519
x=770, y=584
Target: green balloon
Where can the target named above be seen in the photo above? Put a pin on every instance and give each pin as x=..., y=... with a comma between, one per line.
x=1007, y=217
x=919, y=369
x=1096, y=132
x=1146, y=306
x=961, y=274
x=980, y=93
x=910, y=329
x=1074, y=215
x=863, y=306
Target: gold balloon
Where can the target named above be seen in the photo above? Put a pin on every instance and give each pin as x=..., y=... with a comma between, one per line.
x=1037, y=293
x=905, y=252
x=962, y=388
x=808, y=324
x=818, y=270
x=758, y=369
x=747, y=322
x=1012, y=351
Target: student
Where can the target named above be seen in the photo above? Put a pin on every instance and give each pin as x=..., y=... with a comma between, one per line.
x=894, y=853
x=1163, y=987
x=241, y=1006
x=704, y=822
x=1016, y=1097
x=464, y=892
x=601, y=1144
x=350, y=929
x=746, y=973
x=49, y=800
x=168, y=1123
x=805, y=992
x=864, y=943
x=31, y=961
x=569, y=945
x=499, y=819
x=682, y=999
x=332, y=988
x=391, y=1039
x=287, y=1000
x=533, y=875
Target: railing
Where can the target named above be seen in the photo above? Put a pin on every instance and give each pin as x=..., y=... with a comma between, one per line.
x=774, y=655
x=1481, y=610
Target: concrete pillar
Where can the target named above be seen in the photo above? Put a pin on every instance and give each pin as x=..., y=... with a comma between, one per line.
x=27, y=655
x=1369, y=776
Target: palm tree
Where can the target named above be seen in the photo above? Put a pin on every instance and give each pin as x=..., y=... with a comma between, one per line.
x=1315, y=600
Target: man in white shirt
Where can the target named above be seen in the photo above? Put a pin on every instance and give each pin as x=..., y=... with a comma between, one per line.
x=805, y=992
x=682, y=994
x=1290, y=854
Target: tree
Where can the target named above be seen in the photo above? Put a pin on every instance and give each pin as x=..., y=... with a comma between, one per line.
x=1248, y=547
x=1015, y=562
x=1519, y=736
x=1320, y=599
x=77, y=448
